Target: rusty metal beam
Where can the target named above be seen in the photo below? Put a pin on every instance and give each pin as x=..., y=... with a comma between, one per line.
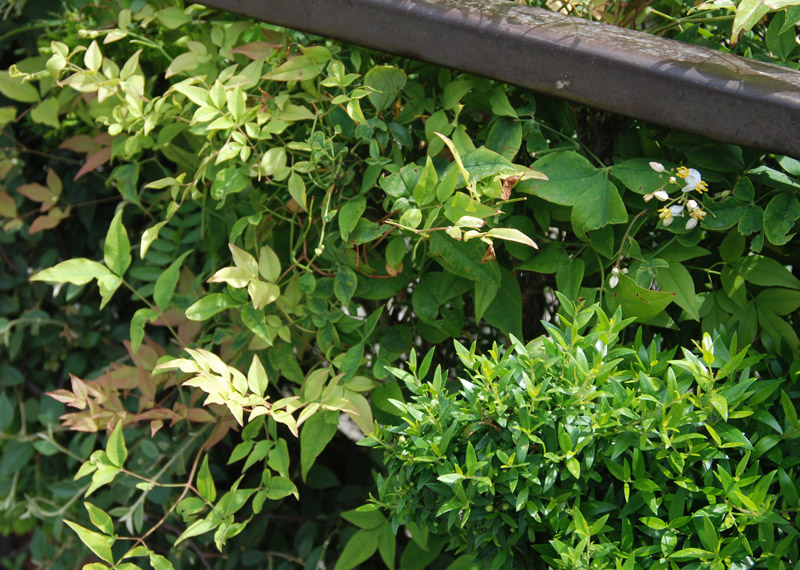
x=678, y=85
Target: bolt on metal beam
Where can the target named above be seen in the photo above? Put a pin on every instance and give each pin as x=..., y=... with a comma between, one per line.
x=682, y=86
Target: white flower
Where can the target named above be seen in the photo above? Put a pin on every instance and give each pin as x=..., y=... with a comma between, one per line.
x=613, y=281
x=691, y=223
x=661, y=196
x=691, y=205
x=657, y=166
x=676, y=210
x=692, y=178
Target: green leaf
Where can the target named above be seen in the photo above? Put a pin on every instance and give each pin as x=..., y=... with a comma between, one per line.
x=92, y=58
x=158, y=562
x=780, y=216
x=778, y=300
x=766, y=272
x=720, y=404
x=140, y=317
x=344, y=284
x=636, y=301
x=349, y=214
x=197, y=528
x=302, y=67
x=484, y=295
x=280, y=487
x=569, y=277
x=361, y=546
x=115, y=448
x=256, y=321
x=205, y=483
x=748, y=13
x=425, y=190
x=297, y=190
x=100, y=519
x=676, y=279
x=387, y=81
x=78, y=271
x=569, y=175
x=460, y=205
x=209, y=306
x=172, y=17
x=365, y=519
x=505, y=312
x=573, y=467
x=166, y=282
x=14, y=89
x=117, y=248
x=317, y=431
x=387, y=546
x=505, y=137
x=464, y=259
x=97, y=543
x=500, y=104
x=257, y=379
x=637, y=175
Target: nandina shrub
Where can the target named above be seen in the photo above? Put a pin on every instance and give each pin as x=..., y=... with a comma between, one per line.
x=578, y=451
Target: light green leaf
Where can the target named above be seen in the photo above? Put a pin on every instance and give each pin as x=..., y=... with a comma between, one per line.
x=92, y=58
x=280, y=487
x=302, y=67
x=149, y=236
x=100, y=519
x=209, y=306
x=97, y=543
x=297, y=190
x=205, y=483
x=425, y=190
x=257, y=379
x=197, y=528
x=115, y=448
x=78, y=271
x=117, y=248
x=510, y=234
x=140, y=317
x=16, y=90
x=166, y=282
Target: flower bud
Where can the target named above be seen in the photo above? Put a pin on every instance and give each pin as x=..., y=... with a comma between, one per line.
x=657, y=166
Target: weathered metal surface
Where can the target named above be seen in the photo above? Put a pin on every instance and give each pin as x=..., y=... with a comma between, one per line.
x=678, y=85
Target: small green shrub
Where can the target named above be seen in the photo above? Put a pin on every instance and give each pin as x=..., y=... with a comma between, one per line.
x=578, y=452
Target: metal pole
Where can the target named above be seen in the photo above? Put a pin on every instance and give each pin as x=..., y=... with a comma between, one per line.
x=682, y=86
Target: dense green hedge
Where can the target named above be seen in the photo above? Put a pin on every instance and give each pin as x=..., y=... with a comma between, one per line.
x=275, y=222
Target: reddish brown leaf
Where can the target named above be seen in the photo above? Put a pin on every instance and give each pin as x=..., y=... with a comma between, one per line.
x=80, y=143
x=254, y=50
x=94, y=161
x=508, y=184
x=35, y=192
x=42, y=223
x=489, y=255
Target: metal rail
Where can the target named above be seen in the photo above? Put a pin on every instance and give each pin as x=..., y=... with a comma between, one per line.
x=686, y=87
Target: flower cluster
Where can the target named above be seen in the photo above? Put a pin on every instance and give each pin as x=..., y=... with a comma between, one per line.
x=688, y=179
x=613, y=281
